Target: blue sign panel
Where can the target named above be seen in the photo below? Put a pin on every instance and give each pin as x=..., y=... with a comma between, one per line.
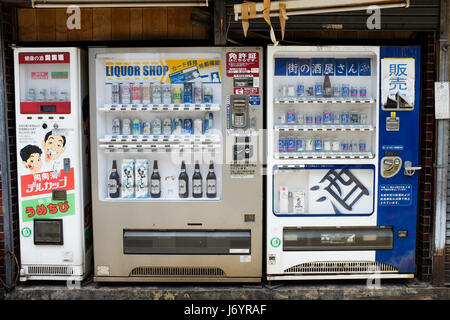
x=305, y=67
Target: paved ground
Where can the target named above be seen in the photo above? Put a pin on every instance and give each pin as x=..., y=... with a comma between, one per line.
x=330, y=290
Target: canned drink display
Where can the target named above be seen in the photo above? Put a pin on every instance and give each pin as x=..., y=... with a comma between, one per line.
x=318, y=118
x=136, y=127
x=318, y=90
x=167, y=94
x=156, y=93
x=345, y=91
x=300, y=118
x=146, y=93
x=327, y=145
x=177, y=126
x=335, y=146
x=291, y=143
x=282, y=144
x=156, y=126
x=345, y=146
x=177, y=95
x=167, y=126
x=53, y=94
x=300, y=90
x=63, y=95
x=317, y=145
x=187, y=92
x=283, y=90
x=116, y=126
x=108, y=93
x=209, y=119
x=197, y=93
x=136, y=93
x=354, y=117
x=363, y=92
x=187, y=126
x=207, y=95
x=354, y=92
x=336, y=117
x=309, y=118
x=291, y=91
x=126, y=126
x=310, y=92
x=327, y=117
x=42, y=95
x=299, y=144
x=362, y=146
x=345, y=117
x=353, y=146
x=31, y=95
x=115, y=93
x=290, y=117
x=125, y=93
x=146, y=127
x=198, y=126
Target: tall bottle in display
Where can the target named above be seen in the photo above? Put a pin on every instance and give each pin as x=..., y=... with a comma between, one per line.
x=328, y=90
x=211, y=182
x=183, y=182
x=114, y=182
x=155, y=190
x=197, y=188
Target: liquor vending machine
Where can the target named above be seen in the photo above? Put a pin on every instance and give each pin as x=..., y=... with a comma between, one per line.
x=52, y=163
x=342, y=159
x=176, y=180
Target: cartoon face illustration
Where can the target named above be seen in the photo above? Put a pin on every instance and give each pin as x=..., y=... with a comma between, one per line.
x=53, y=146
x=31, y=158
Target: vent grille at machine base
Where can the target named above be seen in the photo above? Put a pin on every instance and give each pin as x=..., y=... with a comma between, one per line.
x=341, y=267
x=177, y=271
x=50, y=270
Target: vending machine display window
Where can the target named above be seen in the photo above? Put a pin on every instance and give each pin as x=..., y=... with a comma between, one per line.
x=48, y=231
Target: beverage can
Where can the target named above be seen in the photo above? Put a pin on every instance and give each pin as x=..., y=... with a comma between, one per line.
x=309, y=144
x=300, y=90
x=125, y=93
x=290, y=117
x=353, y=146
x=116, y=126
x=187, y=126
x=345, y=146
x=108, y=93
x=177, y=95
x=354, y=92
x=335, y=144
x=308, y=118
x=198, y=126
x=317, y=145
x=187, y=92
x=146, y=93
x=156, y=126
x=336, y=117
x=31, y=96
x=345, y=117
x=156, y=93
x=327, y=145
x=136, y=93
x=282, y=144
x=291, y=144
x=354, y=117
x=146, y=127
x=345, y=92
x=363, y=92
x=299, y=144
x=327, y=117
x=300, y=117
x=126, y=126
x=291, y=91
x=207, y=95
x=177, y=126
x=115, y=93
x=363, y=118
x=167, y=94
x=136, y=127
x=197, y=93
x=336, y=91
x=318, y=90
x=42, y=95
x=318, y=119
x=310, y=92
x=167, y=126
x=362, y=146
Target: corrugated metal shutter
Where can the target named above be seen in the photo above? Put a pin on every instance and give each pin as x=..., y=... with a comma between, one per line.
x=422, y=15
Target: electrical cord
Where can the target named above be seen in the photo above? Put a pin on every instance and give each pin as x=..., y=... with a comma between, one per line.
x=9, y=288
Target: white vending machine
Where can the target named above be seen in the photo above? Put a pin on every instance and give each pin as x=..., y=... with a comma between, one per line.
x=52, y=114
x=177, y=184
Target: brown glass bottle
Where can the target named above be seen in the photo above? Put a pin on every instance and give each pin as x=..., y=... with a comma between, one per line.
x=197, y=187
x=155, y=182
x=183, y=182
x=211, y=182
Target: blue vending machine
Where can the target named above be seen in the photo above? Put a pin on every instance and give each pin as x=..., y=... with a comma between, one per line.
x=343, y=145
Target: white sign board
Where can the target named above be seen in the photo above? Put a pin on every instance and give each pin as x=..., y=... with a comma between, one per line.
x=442, y=101
x=398, y=78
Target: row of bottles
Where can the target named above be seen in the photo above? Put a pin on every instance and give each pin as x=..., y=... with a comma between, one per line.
x=133, y=182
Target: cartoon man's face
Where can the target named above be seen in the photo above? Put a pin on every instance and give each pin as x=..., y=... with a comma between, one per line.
x=53, y=147
x=33, y=163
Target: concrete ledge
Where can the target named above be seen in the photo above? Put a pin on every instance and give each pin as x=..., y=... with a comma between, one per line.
x=354, y=290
